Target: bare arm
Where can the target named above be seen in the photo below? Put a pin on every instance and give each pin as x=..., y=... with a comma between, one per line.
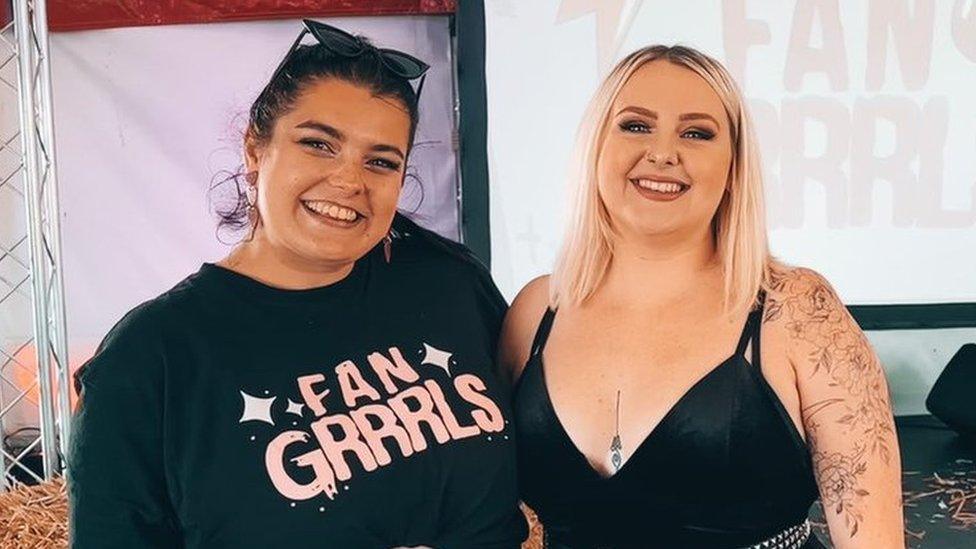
x=846, y=411
x=520, y=325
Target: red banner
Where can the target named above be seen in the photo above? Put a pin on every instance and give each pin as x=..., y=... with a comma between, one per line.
x=6, y=13
x=73, y=15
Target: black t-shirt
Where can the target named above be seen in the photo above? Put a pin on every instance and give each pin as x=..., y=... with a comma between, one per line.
x=368, y=413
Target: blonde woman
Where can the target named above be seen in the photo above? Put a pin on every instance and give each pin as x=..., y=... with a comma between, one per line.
x=648, y=414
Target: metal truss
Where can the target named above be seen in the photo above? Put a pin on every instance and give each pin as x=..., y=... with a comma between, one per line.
x=34, y=373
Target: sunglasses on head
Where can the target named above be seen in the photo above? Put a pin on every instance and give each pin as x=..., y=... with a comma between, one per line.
x=342, y=43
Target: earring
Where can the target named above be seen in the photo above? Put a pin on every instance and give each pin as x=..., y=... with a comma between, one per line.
x=387, y=247
x=251, y=189
x=251, y=197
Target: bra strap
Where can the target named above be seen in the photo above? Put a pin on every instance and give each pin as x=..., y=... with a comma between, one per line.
x=542, y=333
x=750, y=332
x=757, y=329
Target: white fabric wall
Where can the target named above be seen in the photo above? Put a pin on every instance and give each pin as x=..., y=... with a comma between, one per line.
x=864, y=108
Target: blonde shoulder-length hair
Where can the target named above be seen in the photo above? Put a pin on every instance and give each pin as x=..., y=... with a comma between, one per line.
x=738, y=227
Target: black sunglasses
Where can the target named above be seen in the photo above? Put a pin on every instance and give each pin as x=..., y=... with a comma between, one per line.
x=342, y=43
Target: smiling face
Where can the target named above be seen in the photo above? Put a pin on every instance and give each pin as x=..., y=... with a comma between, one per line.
x=664, y=163
x=329, y=177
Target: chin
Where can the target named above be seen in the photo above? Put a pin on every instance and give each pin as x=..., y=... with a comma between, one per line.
x=659, y=227
x=323, y=248
x=344, y=254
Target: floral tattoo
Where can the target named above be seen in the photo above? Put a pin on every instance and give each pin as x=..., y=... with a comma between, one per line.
x=811, y=313
x=840, y=490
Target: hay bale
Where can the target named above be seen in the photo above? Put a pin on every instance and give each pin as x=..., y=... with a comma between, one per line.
x=535, y=529
x=34, y=517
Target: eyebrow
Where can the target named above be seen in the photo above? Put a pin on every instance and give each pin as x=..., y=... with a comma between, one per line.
x=335, y=133
x=324, y=128
x=379, y=147
x=686, y=116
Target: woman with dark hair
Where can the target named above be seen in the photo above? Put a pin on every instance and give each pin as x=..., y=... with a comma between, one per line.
x=330, y=382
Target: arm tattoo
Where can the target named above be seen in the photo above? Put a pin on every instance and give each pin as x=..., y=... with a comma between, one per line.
x=812, y=314
x=839, y=477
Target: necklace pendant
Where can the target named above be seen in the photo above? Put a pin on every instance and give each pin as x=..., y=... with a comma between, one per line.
x=616, y=456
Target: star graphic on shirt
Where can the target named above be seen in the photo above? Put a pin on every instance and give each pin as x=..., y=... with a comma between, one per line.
x=437, y=357
x=257, y=409
x=295, y=408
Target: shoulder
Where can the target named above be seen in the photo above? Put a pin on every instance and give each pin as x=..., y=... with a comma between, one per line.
x=521, y=323
x=416, y=245
x=135, y=346
x=144, y=325
x=801, y=294
x=790, y=277
x=812, y=320
x=531, y=301
x=448, y=268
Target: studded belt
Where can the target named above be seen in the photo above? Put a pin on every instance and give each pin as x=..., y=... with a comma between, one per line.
x=792, y=538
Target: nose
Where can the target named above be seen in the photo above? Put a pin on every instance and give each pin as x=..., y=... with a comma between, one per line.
x=662, y=151
x=347, y=177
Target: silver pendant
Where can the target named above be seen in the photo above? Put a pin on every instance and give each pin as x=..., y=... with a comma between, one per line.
x=616, y=456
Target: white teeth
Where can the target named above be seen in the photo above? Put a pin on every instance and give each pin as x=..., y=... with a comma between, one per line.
x=659, y=186
x=334, y=211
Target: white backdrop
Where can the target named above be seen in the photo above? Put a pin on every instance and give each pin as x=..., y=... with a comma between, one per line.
x=866, y=111
x=146, y=117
